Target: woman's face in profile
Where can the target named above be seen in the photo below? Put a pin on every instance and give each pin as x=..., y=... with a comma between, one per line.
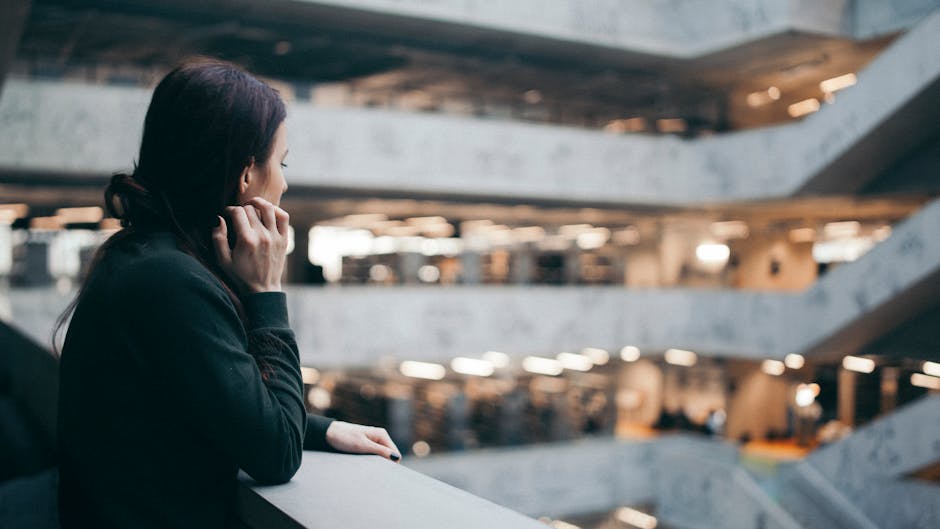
x=267, y=180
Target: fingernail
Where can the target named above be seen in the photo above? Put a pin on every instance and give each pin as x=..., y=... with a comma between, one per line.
x=395, y=457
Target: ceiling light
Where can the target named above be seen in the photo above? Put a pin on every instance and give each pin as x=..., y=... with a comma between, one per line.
x=636, y=518
x=804, y=107
x=838, y=83
x=805, y=395
x=794, y=361
x=575, y=362
x=773, y=367
x=712, y=253
x=496, y=358
x=593, y=239
x=858, y=364
x=925, y=381
x=472, y=366
x=310, y=375
x=931, y=368
x=681, y=357
x=630, y=353
x=541, y=365
x=427, y=370
x=597, y=355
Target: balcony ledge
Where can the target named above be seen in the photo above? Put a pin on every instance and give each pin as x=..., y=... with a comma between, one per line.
x=367, y=491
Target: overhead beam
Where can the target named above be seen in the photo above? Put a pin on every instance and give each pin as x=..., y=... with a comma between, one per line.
x=13, y=14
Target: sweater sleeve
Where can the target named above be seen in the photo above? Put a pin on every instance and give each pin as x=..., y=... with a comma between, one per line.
x=186, y=334
x=315, y=438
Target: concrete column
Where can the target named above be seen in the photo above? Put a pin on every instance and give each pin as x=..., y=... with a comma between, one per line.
x=401, y=422
x=408, y=265
x=511, y=417
x=31, y=265
x=847, y=380
x=521, y=266
x=458, y=420
x=619, y=264
x=297, y=262
x=889, y=389
x=471, y=270
x=573, y=267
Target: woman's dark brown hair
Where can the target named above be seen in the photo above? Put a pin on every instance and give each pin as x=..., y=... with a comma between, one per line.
x=207, y=121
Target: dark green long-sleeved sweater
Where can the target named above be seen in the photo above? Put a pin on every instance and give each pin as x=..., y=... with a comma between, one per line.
x=161, y=399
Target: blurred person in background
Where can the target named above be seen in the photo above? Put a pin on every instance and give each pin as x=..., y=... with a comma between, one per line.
x=179, y=365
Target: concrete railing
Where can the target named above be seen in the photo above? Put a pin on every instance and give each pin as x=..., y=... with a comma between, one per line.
x=862, y=481
x=76, y=130
x=707, y=487
x=366, y=492
x=673, y=29
x=843, y=311
x=815, y=502
x=692, y=481
x=554, y=479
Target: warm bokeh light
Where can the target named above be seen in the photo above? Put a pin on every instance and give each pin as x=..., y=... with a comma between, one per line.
x=794, y=361
x=925, y=381
x=310, y=375
x=805, y=395
x=598, y=356
x=838, y=83
x=804, y=107
x=712, y=253
x=431, y=371
x=630, y=353
x=575, y=362
x=636, y=518
x=542, y=366
x=773, y=367
x=858, y=364
x=931, y=368
x=497, y=358
x=681, y=357
x=472, y=366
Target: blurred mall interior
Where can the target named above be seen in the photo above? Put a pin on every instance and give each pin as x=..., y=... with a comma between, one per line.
x=610, y=264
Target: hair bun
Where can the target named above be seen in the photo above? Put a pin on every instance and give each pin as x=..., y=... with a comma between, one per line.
x=126, y=198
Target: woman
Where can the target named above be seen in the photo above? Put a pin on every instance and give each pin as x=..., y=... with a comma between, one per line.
x=179, y=366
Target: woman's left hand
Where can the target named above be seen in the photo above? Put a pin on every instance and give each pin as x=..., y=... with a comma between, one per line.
x=361, y=439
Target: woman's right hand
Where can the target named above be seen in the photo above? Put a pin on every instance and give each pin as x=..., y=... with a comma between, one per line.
x=257, y=259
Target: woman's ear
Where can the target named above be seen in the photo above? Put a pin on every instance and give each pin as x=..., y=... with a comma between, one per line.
x=245, y=179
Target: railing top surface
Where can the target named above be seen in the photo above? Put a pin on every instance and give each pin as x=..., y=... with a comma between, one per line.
x=367, y=491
